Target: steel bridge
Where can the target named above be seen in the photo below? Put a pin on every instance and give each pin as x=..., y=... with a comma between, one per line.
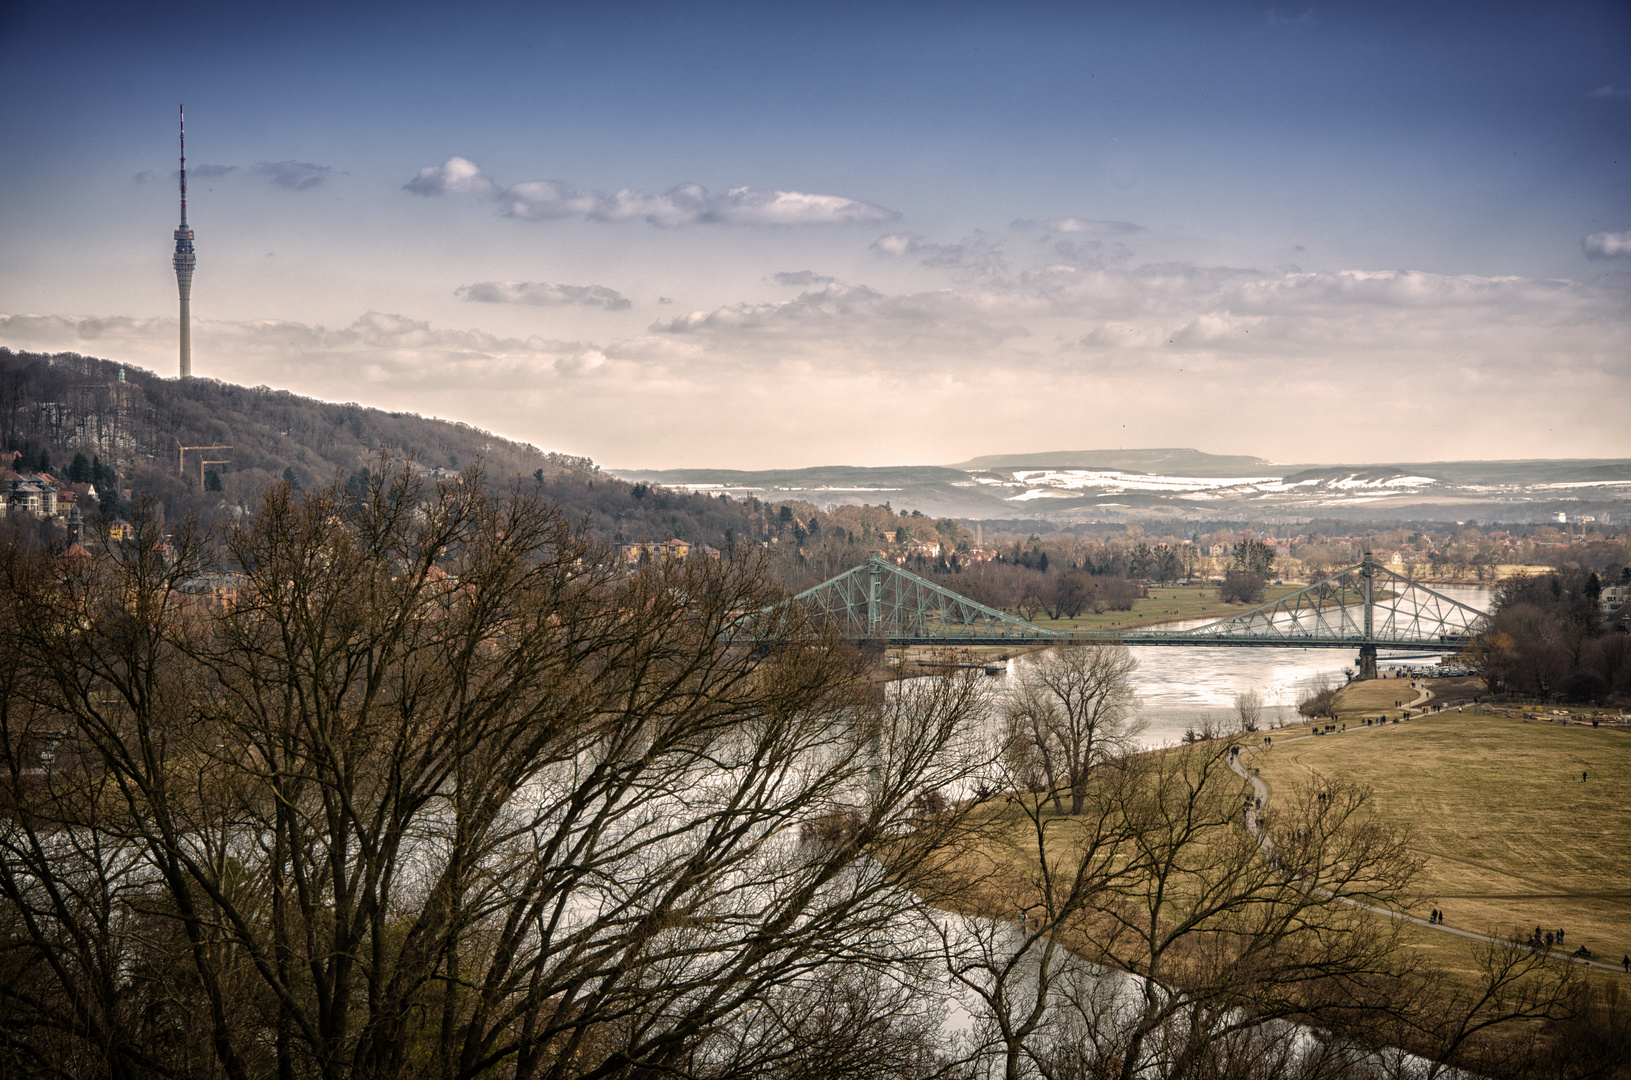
x=1364, y=607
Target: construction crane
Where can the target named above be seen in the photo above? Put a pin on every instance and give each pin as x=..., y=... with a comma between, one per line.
x=181, y=460
x=202, y=463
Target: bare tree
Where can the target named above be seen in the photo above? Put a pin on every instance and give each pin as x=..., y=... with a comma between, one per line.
x=1075, y=706
x=1240, y=587
x=1320, y=700
x=1159, y=879
x=445, y=794
x=1249, y=710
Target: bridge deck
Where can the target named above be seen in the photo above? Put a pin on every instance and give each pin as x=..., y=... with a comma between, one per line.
x=1135, y=637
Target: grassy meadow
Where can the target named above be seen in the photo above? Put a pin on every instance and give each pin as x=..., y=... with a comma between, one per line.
x=1166, y=603
x=1510, y=835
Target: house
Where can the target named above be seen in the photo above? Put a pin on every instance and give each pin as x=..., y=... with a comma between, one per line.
x=121, y=530
x=210, y=591
x=26, y=498
x=663, y=549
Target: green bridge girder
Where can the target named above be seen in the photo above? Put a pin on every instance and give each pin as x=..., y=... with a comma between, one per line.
x=1345, y=611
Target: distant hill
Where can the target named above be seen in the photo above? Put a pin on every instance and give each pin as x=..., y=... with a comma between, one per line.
x=133, y=421
x=1170, y=462
x=1073, y=487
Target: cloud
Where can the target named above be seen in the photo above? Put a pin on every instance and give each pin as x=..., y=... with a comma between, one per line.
x=1607, y=245
x=1609, y=91
x=294, y=175
x=210, y=172
x=1084, y=226
x=1094, y=227
x=946, y=321
x=683, y=204
x=1091, y=252
x=686, y=204
x=976, y=252
x=456, y=176
x=801, y=278
x=377, y=348
x=543, y=294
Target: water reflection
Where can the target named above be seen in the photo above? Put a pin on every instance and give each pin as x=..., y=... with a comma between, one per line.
x=1180, y=686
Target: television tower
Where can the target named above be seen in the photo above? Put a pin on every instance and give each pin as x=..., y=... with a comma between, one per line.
x=184, y=261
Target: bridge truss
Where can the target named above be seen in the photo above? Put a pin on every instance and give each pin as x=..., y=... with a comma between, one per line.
x=879, y=599
x=1365, y=606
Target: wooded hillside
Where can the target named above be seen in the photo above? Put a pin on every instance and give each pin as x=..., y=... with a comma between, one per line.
x=133, y=421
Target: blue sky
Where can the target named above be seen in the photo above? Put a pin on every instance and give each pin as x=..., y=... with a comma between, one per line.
x=748, y=236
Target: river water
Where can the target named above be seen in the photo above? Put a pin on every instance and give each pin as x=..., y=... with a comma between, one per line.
x=1179, y=687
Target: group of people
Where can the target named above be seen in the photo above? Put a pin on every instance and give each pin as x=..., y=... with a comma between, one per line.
x=1548, y=937
x=1437, y=916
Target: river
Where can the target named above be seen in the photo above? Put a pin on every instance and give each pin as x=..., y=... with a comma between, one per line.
x=1178, y=687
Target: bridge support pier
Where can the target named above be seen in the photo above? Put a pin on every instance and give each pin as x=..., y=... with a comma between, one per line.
x=1367, y=661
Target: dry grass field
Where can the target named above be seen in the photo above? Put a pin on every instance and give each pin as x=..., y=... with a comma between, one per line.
x=1510, y=835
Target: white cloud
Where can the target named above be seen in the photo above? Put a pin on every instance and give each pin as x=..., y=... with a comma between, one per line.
x=1607, y=245
x=543, y=294
x=1085, y=226
x=684, y=204
x=977, y=252
x=295, y=175
x=1094, y=227
x=455, y=176
x=1609, y=91
x=801, y=278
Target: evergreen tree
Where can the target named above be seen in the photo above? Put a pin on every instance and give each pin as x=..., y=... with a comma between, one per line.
x=79, y=472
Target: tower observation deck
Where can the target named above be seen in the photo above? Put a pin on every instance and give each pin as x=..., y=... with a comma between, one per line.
x=184, y=261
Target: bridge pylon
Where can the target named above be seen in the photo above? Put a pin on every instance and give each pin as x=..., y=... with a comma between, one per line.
x=1367, y=651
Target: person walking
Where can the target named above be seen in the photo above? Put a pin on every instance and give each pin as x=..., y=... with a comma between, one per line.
x=1625, y=962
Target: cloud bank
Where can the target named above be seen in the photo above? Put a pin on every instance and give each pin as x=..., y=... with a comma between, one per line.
x=684, y=204
x=1171, y=354
x=543, y=294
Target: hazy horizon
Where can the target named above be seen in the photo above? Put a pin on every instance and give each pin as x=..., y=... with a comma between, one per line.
x=716, y=236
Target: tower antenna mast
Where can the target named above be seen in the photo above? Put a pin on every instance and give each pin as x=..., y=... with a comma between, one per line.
x=184, y=261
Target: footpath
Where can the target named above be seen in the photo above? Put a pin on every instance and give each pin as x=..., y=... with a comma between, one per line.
x=1260, y=791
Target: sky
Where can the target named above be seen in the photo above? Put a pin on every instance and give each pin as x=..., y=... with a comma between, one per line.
x=746, y=235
